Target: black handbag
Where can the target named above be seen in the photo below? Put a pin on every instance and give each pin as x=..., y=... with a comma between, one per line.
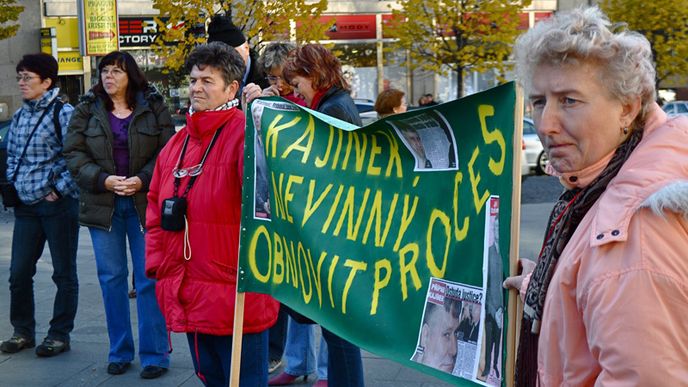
x=10, y=196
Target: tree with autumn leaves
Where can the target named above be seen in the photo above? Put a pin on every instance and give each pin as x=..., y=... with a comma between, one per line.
x=9, y=12
x=664, y=24
x=442, y=36
x=182, y=23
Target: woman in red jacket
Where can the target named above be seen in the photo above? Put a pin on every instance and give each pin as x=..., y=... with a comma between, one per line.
x=193, y=216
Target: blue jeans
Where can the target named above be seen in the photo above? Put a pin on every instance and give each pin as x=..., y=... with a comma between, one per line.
x=299, y=351
x=58, y=224
x=345, y=365
x=110, y=248
x=212, y=358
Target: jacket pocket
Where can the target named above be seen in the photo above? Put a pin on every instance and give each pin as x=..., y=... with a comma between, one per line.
x=96, y=143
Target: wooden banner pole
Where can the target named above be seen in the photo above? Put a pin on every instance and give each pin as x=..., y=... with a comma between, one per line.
x=515, y=305
x=237, y=335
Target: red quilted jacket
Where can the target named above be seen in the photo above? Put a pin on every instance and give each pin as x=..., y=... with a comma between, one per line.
x=198, y=294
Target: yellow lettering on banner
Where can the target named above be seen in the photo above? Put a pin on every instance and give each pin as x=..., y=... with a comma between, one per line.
x=347, y=152
x=335, y=159
x=374, y=150
x=459, y=233
x=408, y=268
x=289, y=196
x=278, y=257
x=376, y=216
x=394, y=156
x=277, y=195
x=478, y=200
x=361, y=146
x=321, y=162
x=333, y=209
x=318, y=283
x=310, y=208
x=406, y=218
x=348, y=209
x=272, y=134
x=430, y=256
x=307, y=136
x=292, y=271
x=252, y=262
x=301, y=251
x=330, y=275
x=497, y=167
x=380, y=282
x=355, y=267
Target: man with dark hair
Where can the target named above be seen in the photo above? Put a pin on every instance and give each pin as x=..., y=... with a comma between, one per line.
x=438, y=342
x=222, y=29
x=47, y=209
x=195, y=265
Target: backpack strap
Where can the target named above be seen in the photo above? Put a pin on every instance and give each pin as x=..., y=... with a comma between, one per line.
x=56, y=119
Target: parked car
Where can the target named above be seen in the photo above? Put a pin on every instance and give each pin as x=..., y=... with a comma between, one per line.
x=674, y=108
x=536, y=158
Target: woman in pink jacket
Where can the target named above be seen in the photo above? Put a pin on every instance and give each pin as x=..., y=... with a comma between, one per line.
x=606, y=304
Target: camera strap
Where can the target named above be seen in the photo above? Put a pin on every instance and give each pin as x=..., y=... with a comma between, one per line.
x=195, y=171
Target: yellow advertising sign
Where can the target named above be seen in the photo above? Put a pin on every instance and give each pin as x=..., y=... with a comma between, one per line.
x=99, y=26
x=70, y=62
x=67, y=31
x=48, y=40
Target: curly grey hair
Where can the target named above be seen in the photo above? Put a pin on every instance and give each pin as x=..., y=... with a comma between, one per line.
x=274, y=55
x=586, y=35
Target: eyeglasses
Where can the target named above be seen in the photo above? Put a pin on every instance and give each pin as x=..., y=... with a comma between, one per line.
x=190, y=171
x=272, y=79
x=24, y=78
x=114, y=71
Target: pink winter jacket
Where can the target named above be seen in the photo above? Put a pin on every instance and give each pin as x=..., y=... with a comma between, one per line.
x=616, y=312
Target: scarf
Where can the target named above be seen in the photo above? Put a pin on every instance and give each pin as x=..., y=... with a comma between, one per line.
x=225, y=106
x=566, y=215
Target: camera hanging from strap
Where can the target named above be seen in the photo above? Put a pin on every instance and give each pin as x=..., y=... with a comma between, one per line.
x=173, y=211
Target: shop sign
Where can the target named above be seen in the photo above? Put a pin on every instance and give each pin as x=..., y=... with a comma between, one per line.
x=49, y=40
x=70, y=62
x=346, y=27
x=98, y=26
x=137, y=32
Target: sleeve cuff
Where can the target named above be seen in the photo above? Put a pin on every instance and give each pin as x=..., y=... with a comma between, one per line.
x=100, y=185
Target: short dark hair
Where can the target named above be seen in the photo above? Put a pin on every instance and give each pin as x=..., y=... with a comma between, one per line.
x=451, y=305
x=387, y=101
x=42, y=64
x=318, y=64
x=220, y=56
x=136, y=79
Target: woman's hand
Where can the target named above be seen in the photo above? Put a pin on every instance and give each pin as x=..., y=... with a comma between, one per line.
x=249, y=93
x=129, y=186
x=112, y=181
x=515, y=282
x=52, y=196
x=271, y=91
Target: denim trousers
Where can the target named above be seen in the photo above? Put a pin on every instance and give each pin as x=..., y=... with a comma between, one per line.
x=344, y=360
x=110, y=249
x=212, y=358
x=278, y=336
x=57, y=223
x=299, y=351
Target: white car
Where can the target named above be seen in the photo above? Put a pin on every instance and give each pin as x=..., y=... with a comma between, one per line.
x=536, y=158
x=674, y=108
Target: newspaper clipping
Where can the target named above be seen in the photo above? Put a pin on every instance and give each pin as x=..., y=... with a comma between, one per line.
x=450, y=330
x=491, y=350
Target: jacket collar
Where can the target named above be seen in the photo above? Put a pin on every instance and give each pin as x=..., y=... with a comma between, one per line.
x=42, y=102
x=646, y=180
x=201, y=125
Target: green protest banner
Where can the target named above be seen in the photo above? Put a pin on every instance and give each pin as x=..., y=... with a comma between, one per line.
x=388, y=235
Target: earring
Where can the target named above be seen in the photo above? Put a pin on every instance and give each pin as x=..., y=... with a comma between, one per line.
x=625, y=130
